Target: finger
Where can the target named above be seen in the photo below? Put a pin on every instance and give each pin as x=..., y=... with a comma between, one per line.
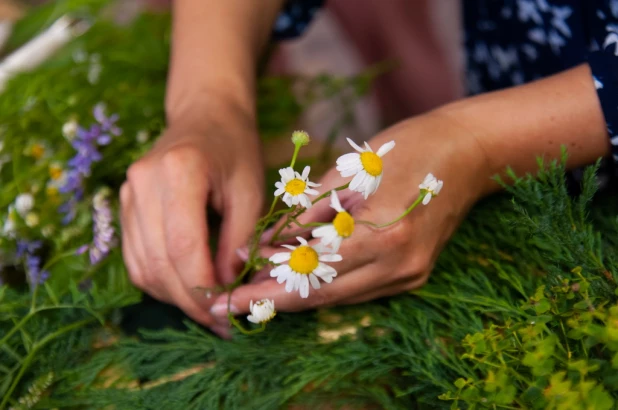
x=241, y=212
x=182, y=231
x=404, y=285
x=344, y=287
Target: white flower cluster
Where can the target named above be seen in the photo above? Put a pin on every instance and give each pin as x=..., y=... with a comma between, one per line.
x=305, y=264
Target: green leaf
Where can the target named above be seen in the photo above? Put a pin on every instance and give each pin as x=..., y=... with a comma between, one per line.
x=460, y=383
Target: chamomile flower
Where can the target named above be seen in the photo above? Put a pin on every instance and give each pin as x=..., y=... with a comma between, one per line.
x=342, y=226
x=365, y=165
x=430, y=187
x=262, y=311
x=295, y=187
x=24, y=203
x=302, y=266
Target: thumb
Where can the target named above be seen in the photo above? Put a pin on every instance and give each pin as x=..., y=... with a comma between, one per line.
x=240, y=214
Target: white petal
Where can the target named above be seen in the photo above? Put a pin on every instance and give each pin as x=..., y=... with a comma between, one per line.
x=287, y=174
x=301, y=240
x=305, y=174
x=287, y=198
x=297, y=279
x=253, y=319
x=331, y=258
x=371, y=184
x=314, y=281
x=334, y=201
x=350, y=158
x=353, y=144
x=279, y=191
x=322, y=231
x=378, y=182
x=279, y=184
x=304, y=286
x=311, y=191
x=290, y=247
x=357, y=180
x=304, y=201
x=368, y=147
x=349, y=173
x=326, y=273
x=280, y=257
x=295, y=200
x=337, y=243
x=427, y=198
x=384, y=149
x=313, y=184
x=438, y=188
x=289, y=284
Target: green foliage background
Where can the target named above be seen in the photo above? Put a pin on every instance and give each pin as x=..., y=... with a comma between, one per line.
x=520, y=311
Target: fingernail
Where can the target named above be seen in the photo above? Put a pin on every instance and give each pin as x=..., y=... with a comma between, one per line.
x=267, y=235
x=220, y=311
x=243, y=254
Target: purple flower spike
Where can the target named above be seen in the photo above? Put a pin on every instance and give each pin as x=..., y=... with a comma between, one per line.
x=103, y=230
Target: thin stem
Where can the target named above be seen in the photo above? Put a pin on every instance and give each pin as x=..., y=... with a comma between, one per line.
x=399, y=218
x=244, y=331
x=295, y=155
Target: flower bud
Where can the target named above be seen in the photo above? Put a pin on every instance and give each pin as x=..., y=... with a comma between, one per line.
x=300, y=138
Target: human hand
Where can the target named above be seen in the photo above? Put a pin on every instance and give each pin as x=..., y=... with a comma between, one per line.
x=198, y=161
x=386, y=261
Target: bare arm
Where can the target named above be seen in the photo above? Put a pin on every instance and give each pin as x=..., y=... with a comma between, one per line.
x=516, y=125
x=215, y=47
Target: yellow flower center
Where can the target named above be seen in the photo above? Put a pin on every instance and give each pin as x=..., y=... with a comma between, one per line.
x=304, y=260
x=37, y=151
x=295, y=187
x=371, y=163
x=344, y=224
x=55, y=172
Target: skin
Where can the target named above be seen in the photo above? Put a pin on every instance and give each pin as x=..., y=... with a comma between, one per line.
x=207, y=156
x=464, y=143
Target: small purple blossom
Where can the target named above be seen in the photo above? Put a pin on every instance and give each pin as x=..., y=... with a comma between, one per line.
x=86, y=142
x=27, y=250
x=103, y=229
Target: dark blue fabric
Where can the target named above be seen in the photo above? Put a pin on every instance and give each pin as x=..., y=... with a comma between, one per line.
x=513, y=42
x=294, y=18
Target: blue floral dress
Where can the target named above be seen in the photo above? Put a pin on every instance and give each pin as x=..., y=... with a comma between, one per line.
x=512, y=42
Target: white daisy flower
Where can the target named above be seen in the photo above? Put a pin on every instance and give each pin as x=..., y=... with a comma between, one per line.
x=430, y=187
x=262, y=311
x=365, y=165
x=342, y=227
x=69, y=129
x=24, y=203
x=304, y=265
x=295, y=187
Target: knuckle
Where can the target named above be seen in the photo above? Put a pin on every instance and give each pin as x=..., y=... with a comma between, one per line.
x=136, y=173
x=157, y=266
x=175, y=161
x=180, y=244
x=396, y=236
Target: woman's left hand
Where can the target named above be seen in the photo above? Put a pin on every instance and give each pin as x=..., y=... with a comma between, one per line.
x=387, y=261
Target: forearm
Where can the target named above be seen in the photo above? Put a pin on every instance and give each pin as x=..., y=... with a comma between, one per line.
x=215, y=46
x=515, y=126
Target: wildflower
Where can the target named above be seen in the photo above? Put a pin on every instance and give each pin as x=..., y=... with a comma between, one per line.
x=365, y=165
x=342, y=226
x=304, y=265
x=36, y=150
x=295, y=187
x=108, y=124
x=9, y=227
x=262, y=311
x=31, y=219
x=27, y=250
x=430, y=187
x=69, y=129
x=103, y=229
x=300, y=138
x=142, y=136
x=24, y=203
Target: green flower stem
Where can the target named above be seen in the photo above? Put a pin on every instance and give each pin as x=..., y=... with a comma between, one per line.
x=325, y=194
x=394, y=221
x=242, y=330
x=37, y=346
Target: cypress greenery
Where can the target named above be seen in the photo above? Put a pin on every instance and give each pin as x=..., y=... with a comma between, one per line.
x=520, y=311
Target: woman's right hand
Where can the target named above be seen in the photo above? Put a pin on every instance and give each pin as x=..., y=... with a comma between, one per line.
x=202, y=159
